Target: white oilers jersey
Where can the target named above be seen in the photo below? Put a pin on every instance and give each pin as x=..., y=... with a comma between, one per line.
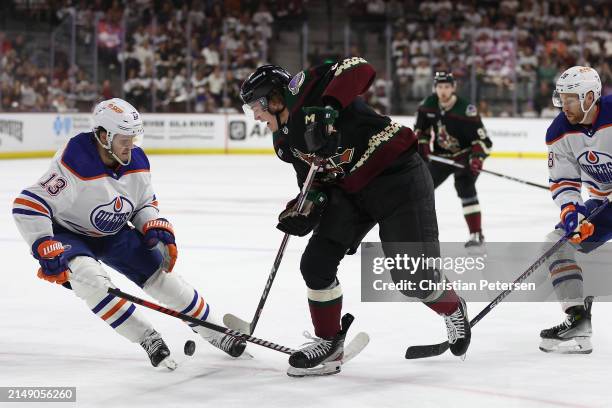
x=581, y=156
x=81, y=194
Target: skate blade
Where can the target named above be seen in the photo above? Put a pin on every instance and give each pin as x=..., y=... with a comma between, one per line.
x=168, y=363
x=329, y=368
x=355, y=346
x=577, y=345
x=244, y=356
x=235, y=323
x=476, y=249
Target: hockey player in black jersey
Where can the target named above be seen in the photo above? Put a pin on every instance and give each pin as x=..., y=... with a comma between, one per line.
x=370, y=175
x=458, y=134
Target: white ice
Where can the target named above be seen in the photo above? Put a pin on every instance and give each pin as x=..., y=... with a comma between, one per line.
x=224, y=210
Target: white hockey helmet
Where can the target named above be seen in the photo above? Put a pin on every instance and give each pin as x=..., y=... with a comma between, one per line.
x=578, y=80
x=117, y=117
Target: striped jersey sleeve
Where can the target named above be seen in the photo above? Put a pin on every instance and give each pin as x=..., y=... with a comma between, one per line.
x=36, y=205
x=147, y=207
x=563, y=169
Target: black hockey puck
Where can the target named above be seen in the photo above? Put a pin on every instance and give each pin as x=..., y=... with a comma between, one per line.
x=189, y=348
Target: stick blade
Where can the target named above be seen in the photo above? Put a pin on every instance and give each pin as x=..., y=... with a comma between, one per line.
x=430, y=350
x=357, y=344
x=235, y=323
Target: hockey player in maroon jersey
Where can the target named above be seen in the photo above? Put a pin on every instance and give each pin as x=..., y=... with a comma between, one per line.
x=371, y=175
x=458, y=134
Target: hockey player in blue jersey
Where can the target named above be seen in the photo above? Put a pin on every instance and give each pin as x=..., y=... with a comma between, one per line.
x=96, y=204
x=579, y=154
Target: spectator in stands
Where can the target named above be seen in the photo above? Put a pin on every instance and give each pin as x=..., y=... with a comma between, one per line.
x=550, y=35
x=109, y=39
x=421, y=84
x=28, y=95
x=215, y=83
x=211, y=54
x=483, y=109
x=263, y=20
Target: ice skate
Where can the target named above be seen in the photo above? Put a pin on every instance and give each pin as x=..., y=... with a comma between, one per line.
x=573, y=336
x=458, y=329
x=158, y=351
x=231, y=345
x=476, y=243
x=320, y=356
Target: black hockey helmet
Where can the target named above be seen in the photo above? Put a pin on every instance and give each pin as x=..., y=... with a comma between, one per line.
x=443, y=77
x=259, y=84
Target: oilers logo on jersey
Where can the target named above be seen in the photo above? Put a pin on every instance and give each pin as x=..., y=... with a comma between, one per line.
x=80, y=194
x=109, y=218
x=596, y=164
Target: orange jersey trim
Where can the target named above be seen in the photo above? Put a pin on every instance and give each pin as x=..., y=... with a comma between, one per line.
x=562, y=136
x=31, y=204
x=81, y=177
x=603, y=127
x=136, y=171
x=598, y=193
x=565, y=183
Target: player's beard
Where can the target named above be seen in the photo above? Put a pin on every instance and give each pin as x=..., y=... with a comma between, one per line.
x=574, y=118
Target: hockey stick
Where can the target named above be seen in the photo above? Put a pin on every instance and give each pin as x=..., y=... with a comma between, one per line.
x=432, y=350
x=243, y=326
x=187, y=318
x=461, y=166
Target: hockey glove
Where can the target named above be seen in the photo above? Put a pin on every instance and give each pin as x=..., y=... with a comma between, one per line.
x=321, y=138
x=574, y=223
x=478, y=154
x=159, y=233
x=424, y=146
x=53, y=264
x=292, y=222
x=476, y=164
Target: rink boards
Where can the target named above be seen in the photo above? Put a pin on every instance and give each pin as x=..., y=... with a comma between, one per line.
x=24, y=135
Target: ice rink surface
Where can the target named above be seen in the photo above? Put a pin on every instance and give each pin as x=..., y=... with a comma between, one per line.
x=224, y=210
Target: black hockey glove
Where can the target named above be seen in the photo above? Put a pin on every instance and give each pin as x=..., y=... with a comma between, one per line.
x=292, y=222
x=320, y=136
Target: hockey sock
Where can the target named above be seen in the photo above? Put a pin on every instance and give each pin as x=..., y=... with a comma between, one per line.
x=89, y=281
x=445, y=304
x=471, y=212
x=325, y=309
x=566, y=278
x=174, y=292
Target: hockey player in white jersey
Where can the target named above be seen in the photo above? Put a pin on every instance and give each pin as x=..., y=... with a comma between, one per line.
x=579, y=154
x=96, y=204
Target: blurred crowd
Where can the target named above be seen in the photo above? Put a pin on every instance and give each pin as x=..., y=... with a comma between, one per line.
x=167, y=56
x=506, y=48
x=192, y=55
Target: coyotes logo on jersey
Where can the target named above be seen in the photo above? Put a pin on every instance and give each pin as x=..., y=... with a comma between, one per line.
x=332, y=165
x=446, y=141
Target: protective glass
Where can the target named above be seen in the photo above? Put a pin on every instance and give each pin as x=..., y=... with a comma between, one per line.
x=123, y=141
x=258, y=105
x=558, y=101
